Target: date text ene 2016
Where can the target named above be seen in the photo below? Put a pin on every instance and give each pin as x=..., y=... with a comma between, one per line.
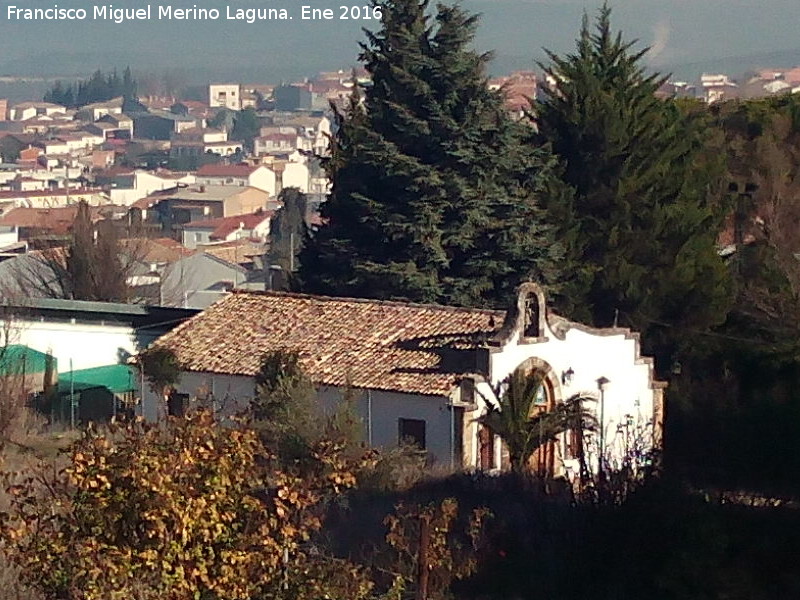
x=355, y=13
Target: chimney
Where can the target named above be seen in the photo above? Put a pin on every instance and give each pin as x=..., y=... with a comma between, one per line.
x=202, y=189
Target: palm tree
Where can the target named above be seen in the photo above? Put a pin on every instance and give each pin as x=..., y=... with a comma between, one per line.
x=523, y=432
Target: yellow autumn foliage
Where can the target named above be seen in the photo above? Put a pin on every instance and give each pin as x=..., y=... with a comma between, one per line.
x=186, y=510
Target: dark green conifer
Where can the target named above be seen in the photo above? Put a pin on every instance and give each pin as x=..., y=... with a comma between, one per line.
x=434, y=194
x=642, y=225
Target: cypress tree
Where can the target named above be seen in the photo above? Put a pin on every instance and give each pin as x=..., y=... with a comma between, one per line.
x=642, y=225
x=433, y=192
x=286, y=233
x=80, y=256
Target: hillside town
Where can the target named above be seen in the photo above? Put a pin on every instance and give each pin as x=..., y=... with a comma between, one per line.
x=208, y=176
x=189, y=174
x=405, y=330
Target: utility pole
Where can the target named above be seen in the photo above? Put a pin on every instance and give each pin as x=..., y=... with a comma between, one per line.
x=602, y=382
x=71, y=396
x=291, y=252
x=423, y=572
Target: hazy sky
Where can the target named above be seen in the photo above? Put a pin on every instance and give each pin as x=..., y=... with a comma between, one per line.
x=680, y=31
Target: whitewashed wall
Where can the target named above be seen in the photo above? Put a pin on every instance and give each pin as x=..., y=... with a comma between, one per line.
x=230, y=393
x=87, y=345
x=380, y=411
x=295, y=175
x=263, y=179
x=628, y=396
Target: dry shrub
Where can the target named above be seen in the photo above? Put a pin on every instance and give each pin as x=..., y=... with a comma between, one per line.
x=12, y=588
x=396, y=469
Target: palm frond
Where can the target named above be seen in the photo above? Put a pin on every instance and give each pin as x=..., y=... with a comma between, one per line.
x=523, y=430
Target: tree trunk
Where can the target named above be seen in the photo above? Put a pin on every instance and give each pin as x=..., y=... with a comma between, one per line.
x=423, y=572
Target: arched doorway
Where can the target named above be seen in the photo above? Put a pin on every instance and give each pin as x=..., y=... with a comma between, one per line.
x=543, y=461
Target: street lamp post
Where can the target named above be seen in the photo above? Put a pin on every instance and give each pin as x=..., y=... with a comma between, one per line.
x=602, y=382
x=272, y=269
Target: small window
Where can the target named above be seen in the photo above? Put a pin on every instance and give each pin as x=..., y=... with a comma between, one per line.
x=412, y=431
x=541, y=396
x=177, y=404
x=468, y=391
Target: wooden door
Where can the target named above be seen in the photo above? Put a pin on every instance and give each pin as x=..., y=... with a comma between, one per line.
x=542, y=463
x=485, y=448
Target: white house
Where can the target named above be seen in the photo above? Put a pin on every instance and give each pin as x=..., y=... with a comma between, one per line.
x=259, y=177
x=296, y=175
x=717, y=87
x=424, y=372
x=85, y=334
x=9, y=236
x=55, y=146
x=145, y=183
x=227, y=229
x=281, y=143
x=225, y=95
x=199, y=141
x=229, y=148
x=51, y=198
x=312, y=134
x=28, y=110
x=775, y=87
x=97, y=110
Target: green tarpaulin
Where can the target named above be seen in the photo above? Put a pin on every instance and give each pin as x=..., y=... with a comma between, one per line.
x=16, y=359
x=116, y=378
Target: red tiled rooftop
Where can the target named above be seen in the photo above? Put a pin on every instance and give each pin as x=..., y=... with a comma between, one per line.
x=225, y=170
x=56, y=220
x=224, y=226
x=373, y=344
x=58, y=192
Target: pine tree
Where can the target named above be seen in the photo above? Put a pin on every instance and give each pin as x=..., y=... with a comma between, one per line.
x=642, y=225
x=434, y=195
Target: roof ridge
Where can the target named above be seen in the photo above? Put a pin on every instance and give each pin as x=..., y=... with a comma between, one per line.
x=398, y=303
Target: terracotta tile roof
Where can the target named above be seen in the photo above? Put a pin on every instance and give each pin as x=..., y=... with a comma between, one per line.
x=49, y=193
x=167, y=174
x=412, y=348
x=239, y=252
x=194, y=105
x=279, y=137
x=222, y=227
x=225, y=170
x=147, y=202
x=327, y=85
x=56, y=220
x=157, y=250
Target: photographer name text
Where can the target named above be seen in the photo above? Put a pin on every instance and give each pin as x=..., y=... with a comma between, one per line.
x=165, y=12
